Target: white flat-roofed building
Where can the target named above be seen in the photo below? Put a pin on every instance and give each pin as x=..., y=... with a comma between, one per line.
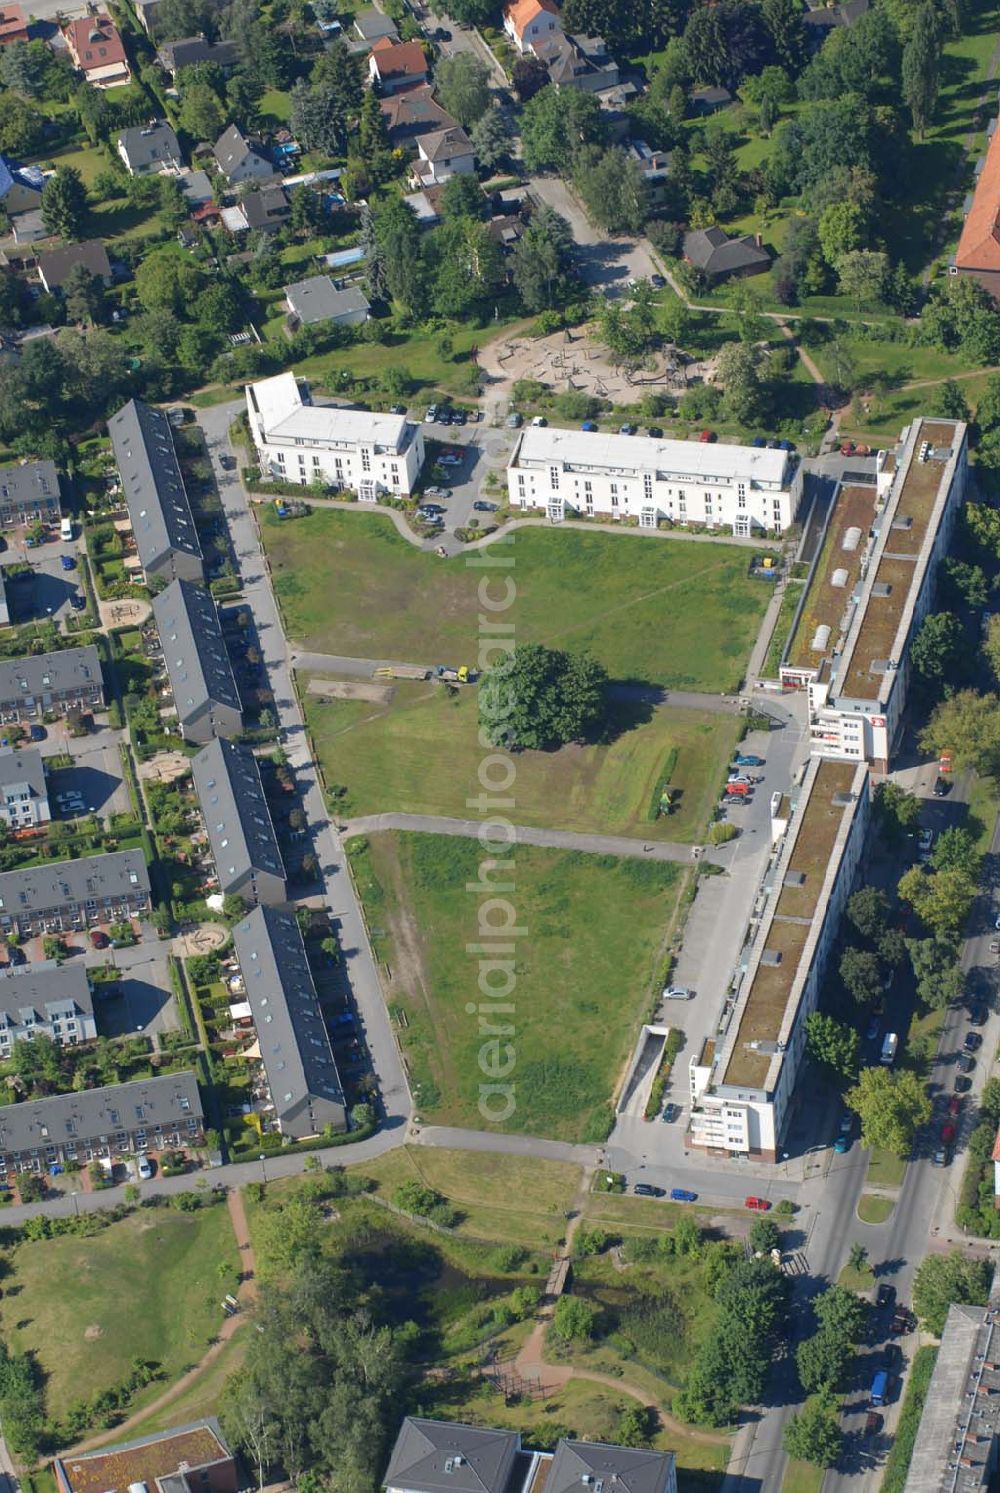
x=357, y=450
x=873, y=583
x=743, y=1080
x=745, y=489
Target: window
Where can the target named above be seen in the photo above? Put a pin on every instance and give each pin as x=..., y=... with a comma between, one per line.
x=554, y=478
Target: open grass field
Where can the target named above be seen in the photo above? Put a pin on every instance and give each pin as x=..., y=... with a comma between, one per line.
x=594, y=928
x=389, y=757
x=672, y=613
x=519, y=1199
x=156, y=1271
x=204, y=1395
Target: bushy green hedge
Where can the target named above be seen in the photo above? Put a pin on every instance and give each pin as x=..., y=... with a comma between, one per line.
x=898, y=1465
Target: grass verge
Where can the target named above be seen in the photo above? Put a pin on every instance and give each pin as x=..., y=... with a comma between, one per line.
x=885, y=1169
x=874, y=1209
x=802, y=1477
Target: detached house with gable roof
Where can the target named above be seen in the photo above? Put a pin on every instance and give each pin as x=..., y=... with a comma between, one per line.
x=150, y=149
x=97, y=50
x=240, y=159
x=395, y=66
x=529, y=21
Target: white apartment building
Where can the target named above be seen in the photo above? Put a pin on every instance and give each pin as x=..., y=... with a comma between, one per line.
x=871, y=586
x=356, y=450
x=743, y=1079
x=24, y=797
x=745, y=489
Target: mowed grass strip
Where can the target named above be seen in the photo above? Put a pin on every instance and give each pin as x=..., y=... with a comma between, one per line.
x=667, y=612
x=584, y=969
x=147, y=1287
x=420, y=754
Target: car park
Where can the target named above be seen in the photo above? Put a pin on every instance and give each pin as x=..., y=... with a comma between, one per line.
x=973, y=1042
x=481, y=506
x=647, y=1190
x=757, y=1205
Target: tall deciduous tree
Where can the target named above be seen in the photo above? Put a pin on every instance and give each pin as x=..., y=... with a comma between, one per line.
x=834, y=1044
x=541, y=698
x=892, y=1106
x=814, y=1434
x=968, y=726
x=463, y=86
x=944, y=1280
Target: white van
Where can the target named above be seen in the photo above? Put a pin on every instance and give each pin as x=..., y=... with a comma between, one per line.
x=66, y=529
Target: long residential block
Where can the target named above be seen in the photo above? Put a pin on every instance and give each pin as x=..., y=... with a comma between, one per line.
x=50, y=999
x=957, y=1448
x=67, y=895
x=871, y=585
x=301, y=1090
x=43, y=683
x=745, y=489
x=743, y=1079
x=151, y=1114
x=194, y=651
x=166, y=539
x=356, y=450
x=238, y=823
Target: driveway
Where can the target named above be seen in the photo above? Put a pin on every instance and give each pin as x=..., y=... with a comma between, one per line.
x=145, y=1000
x=606, y=263
x=96, y=774
x=337, y=889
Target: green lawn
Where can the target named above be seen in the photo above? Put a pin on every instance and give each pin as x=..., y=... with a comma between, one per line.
x=668, y=612
x=802, y=1477
x=885, y=1169
x=157, y=1271
x=874, y=1209
x=389, y=757
x=782, y=628
x=594, y=930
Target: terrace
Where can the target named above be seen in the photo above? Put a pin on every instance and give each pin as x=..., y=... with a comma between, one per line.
x=790, y=926
x=825, y=601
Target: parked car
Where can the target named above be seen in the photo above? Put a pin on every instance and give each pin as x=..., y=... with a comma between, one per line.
x=966, y=1062
x=144, y=1167
x=227, y=462
x=872, y=1029
x=647, y=1190
x=948, y=1133
x=677, y=993
x=955, y=1105
x=925, y=841
x=657, y=282
x=441, y=493
x=942, y=787
x=626, y=429
x=977, y=1013
x=757, y=1205
x=962, y=1085
x=513, y=422
x=842, y=1144
x=847, y=448
x=682, y=1195
x=37, y=733
x=903, y=1321
x=669, y=1113
x=747, y=759
x=885, y=1297
x=397, y=409
x=77, y=602
x=539, y=421
x=590, y=425
x=67, y=562
x=451, y=459
x=481, y=506
x=98, y=939
x=873, y=1423
x=707, y=436
x=973, y=1042
x=431, y=416
x=941, y=1157
x=655, y=431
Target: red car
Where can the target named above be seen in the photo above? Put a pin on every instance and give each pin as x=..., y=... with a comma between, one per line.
x=955, y=1104
x=98, y=939
x=707, y=436
x=847, y=448
x=759, y=1205
x=947, y=1133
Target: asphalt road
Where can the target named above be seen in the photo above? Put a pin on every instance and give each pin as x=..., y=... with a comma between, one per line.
x=362, y=977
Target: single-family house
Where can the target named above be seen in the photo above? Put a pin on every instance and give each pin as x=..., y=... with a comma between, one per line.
x=372, y=25
x=54, y=267
x=181, y=1460
x=45, y=999
x=29, y=493
x=709, y=100
x=241, y=159
x=654, y=168
x=409, y=115
x=18, y=192
x=13, y=26
x=720, y=257
x=529, y=21
x=395, y=66
x=577, y=62
x=189, y=50
x=443, y=154
x=24, y=796
x=316, y=300
x=258, y=212
x=150, y=148
x=98, y=51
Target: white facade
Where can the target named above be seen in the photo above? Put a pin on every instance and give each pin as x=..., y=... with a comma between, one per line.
x=857, y=690
x=356, y=450
x=744, y=489
x=743, y=1081
x=527, y=22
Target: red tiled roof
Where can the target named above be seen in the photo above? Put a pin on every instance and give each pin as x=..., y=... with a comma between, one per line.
x=522, y=11
x=979, y=246
x=13, y=26
x=94, y=42
x=403, y=59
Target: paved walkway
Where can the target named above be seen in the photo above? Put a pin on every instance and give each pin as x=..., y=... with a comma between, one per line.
x=246, y=1293
x=555, y=839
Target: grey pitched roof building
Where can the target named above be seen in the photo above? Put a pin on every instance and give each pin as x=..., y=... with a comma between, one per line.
x=149, y=148
x=372, y=24
x=165, y=535
x=720, y=257
x=435, y=1456
x=295, y=1051
x=317, y=299
x=120, y=1118
x=72, y=894
x=51, y=998
x=55, y=267
x=240, y=159
x=24, y=795
x=238, y=823
x=173, y=55
x=958, y=1440
x=29, y=490
x=40, y=682
x=597, y=1466
x=201, y=676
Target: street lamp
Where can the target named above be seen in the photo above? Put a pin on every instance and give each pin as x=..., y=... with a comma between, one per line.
x=76, y=1204
x=263, y=1168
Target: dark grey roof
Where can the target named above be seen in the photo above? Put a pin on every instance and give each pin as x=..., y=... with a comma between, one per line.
x=608, y=1469
x=237, y=820
x=317, y=299
x=47, y=990
x=269, y=205
x=434, y=1456
x=294, y=1046
x=43, y=673
x=22, y=765
x=55, y=266
x=122, y=873
x=232, y=148
x=152, y=483
x=170, y=1100
x=713, y=250
x=193, y=649
x=191, y=49
x=371, y=24
x=28, y=481
x=144, y=144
